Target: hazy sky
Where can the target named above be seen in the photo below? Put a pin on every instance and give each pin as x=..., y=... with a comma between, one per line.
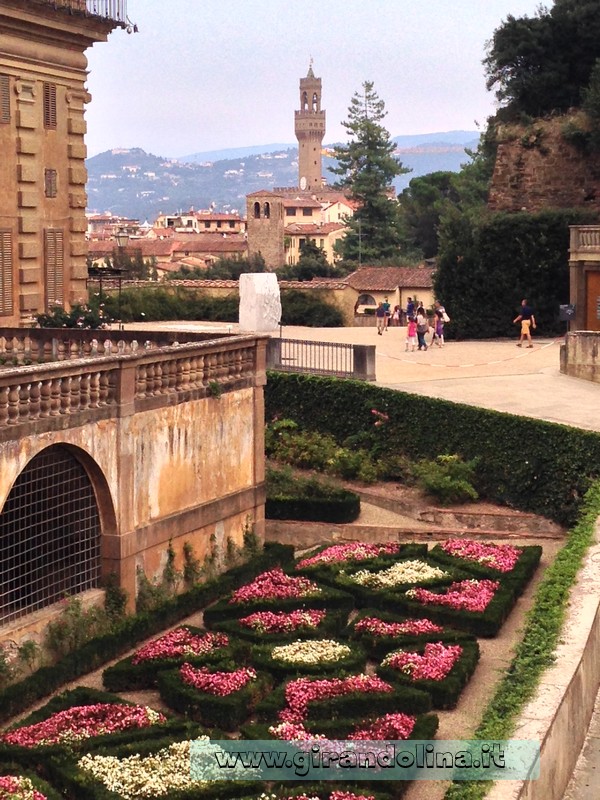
x=207, y=75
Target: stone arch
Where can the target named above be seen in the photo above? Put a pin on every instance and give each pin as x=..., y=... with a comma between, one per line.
x=51, y=527
x=267, y=210
x=257, y=210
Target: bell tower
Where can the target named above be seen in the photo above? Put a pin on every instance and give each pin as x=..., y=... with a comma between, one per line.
x=310, y=130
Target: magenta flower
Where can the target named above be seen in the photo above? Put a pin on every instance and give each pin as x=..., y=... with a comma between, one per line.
x=303, y=691
x=275, y=585
x=180, y=642
x=353, y=551
x=282, y=621
x=17, y=787
x=411, y=627
x=470, y=595
x=388, y=727
x=219, y=684
x=82, y=722
x=502, y=557
x=432, y=665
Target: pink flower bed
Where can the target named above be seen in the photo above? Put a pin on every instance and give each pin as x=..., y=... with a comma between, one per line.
x=282, y=622
x=432, y=665
x=82, y=722
x=354, y=551
x=19, y=788
x=180, y=642
x=470, y=595
x=502, y=557
x=338, y=794
x=388, y=727
x=219, y=684
x=275, y=585
x=299, y=693
x=411, y=627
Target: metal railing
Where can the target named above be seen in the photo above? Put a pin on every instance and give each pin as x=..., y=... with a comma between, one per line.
x=322, y=358
x=107, y=9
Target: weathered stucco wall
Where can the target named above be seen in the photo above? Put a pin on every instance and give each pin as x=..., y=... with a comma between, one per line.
x=537, y=168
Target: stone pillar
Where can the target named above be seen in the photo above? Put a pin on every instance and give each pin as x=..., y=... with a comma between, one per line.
x=260, y=302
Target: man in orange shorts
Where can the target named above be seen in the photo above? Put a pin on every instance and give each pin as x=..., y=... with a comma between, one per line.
x=527, y=320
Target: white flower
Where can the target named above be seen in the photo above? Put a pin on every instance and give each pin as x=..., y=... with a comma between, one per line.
x=318, y=651
x=402, y=572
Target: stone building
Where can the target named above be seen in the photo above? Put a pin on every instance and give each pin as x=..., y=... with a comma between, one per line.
x=42, y=169
x=310, y=130
x=113, y=446
x=280, y=220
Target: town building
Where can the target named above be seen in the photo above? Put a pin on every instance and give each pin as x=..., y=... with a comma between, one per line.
x=280, y=221
x=114, y=447
x=43, y=72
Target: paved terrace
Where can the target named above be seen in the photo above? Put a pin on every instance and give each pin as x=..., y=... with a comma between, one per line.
x=490, y=374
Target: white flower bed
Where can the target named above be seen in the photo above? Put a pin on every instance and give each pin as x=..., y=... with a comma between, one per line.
x=414, y=571
x=319, y=651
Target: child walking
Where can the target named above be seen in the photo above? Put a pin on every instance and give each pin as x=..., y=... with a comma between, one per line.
x=411, y=334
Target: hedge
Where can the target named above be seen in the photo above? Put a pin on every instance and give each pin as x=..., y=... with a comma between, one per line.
x=379, y=646
x=520, y=574
x=226, y=712
x=444, y=693
x=329, y=599
x=332, y=622
x=354, y=661
x=529, y=464
x=18, y=697
x=127, y=676
x=342, y=507
x=357, y=704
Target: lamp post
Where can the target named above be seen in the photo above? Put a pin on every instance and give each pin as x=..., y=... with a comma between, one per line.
x=121, y=238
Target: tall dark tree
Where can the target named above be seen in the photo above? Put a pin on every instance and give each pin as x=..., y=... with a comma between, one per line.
x=367, y=167
x=540, y=65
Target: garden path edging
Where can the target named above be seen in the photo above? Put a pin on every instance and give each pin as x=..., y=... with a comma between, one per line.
x=560, y=712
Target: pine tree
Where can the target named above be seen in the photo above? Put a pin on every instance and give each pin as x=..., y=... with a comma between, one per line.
x=367, y=167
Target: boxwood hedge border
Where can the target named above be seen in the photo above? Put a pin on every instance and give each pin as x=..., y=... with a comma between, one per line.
x=530, y=464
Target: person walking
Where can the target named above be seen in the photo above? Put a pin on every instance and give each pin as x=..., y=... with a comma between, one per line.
x=422, y=328
x=411, y=334
x=410, y=308
x=380, y=315
x=527, y=320
x=440, y=317
x=388, y=311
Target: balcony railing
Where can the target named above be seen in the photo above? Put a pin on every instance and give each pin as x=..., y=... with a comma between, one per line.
x=585, y=239
x=79, y=380
x=322, y=358
x=107, y=9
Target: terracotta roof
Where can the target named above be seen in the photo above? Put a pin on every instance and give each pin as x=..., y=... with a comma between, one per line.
x=147, y=247
x=388, y=279
x=209, y=243
x=301, y=202
x=313, y=228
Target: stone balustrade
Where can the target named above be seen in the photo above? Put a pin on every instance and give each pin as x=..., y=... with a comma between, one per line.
x=20, y=346
x=98, y=378
x=584, y=239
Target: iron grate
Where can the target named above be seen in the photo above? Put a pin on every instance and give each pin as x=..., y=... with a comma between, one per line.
x=49, y=535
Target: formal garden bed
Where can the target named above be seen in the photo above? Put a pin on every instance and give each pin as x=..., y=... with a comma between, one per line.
x=283, y=656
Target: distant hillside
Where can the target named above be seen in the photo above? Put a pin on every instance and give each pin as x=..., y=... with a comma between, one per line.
x=133, y=183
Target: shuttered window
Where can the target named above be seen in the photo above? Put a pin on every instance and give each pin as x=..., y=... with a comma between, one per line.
x=6, y=272
x=4, y=99
x=54, y=249
x=50, y=106
x=50, y=183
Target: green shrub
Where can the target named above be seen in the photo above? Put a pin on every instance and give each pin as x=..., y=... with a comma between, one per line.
x=525, y=463
x=447, y=478
x=307, y=308
x=293, y=497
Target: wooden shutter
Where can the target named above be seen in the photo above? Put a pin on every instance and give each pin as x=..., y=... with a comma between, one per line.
x=54, y=265
x=50, y=105
x=6, y=272
x=4, y=99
